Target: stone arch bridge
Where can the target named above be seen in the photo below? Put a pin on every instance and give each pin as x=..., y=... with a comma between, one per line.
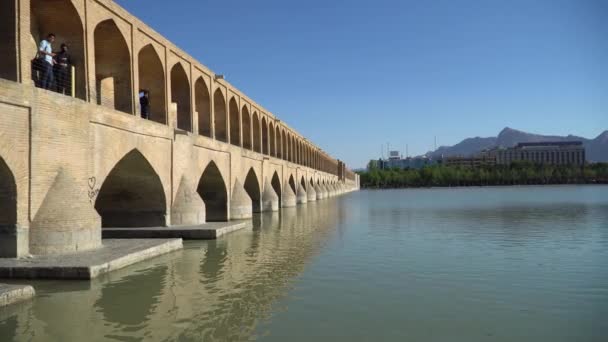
x=70, y=165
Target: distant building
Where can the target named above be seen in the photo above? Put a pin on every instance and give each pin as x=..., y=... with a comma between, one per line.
x=395, y=160
x=474, y=161
x=552, y=153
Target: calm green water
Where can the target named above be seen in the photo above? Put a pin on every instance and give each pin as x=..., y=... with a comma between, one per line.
x=468, y=264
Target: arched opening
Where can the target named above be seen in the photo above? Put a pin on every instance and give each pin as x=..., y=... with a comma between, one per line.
x=8, y=197
x=180, y=95
x=279, y=145
x=8, y=36
x=152, y=80
x=132, y=195
x=264, y=136
x=312, y=182
x=212, y=190
x=256, y=134
x=246, y=124
x=58, y=17
x=303, y=183
x=203, y=107
x=112, y=68
x=276, y=185
x=273, y=151
x=252, y=186
x=285, y=151
x=292, y=184
x=235, y=138
x=219, y=112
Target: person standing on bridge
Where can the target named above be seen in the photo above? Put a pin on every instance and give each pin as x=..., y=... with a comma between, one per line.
x=62, y=71
x=45, y=53
x=144, y=101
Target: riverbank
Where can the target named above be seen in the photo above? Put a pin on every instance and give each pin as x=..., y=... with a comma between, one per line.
x=496, y=175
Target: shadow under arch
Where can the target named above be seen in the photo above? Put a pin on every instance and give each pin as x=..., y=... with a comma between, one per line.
x=152, y=79
x=252, y=186
x=61, y=18
x=8, y=197
x=112, y=67
x=276, y=185
x=303, y=182
x=212, y=189
x=132, y=195
x=292, y=184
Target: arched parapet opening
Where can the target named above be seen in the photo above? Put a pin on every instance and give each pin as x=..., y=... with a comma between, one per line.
x=61, y=18
x=253, y=189
x=284, y=145
x=212, y=189
x=180, y=95
x=246, y=124
x=132, y=195
x=8, y=35
x=219, y=114
x=257, y=142
x=271, y=140
x=112, y=67
x=279, y=142
x=203, y=107
x=152, y=81
x=264, y=136
x=235, y=138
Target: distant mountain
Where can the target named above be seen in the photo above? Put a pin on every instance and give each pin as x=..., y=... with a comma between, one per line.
x=596, y=149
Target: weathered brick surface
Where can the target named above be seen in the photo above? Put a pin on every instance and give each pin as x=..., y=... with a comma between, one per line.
x=68, y=150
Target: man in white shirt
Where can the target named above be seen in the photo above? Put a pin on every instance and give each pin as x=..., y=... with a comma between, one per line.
x=46, y=54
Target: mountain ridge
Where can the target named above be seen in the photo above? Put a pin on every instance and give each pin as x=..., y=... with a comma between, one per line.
x=596, y=148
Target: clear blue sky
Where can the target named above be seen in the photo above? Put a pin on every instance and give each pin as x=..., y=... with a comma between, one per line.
x=352, y=75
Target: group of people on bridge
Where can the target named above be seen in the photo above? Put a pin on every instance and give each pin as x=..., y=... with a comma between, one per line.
x=53, y=68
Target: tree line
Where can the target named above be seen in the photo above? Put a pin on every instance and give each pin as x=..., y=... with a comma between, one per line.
x=517, y=173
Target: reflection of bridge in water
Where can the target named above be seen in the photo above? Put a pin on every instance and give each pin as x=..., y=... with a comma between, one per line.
x=215, y=290
x=69, y=166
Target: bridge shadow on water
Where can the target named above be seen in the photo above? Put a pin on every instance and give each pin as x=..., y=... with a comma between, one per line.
x=215, y=290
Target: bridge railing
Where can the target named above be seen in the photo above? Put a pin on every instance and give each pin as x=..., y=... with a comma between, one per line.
x=55, y=77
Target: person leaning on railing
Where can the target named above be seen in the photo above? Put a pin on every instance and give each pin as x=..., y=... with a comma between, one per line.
x=45, y=62
x=62, y=71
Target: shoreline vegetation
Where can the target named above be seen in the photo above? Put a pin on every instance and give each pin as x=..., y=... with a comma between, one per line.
x=519, y=173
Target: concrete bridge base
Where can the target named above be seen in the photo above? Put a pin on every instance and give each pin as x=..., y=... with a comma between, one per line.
x=206, y=231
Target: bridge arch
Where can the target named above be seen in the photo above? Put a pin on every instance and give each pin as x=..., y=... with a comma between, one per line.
x=212, y=189
x=132, y=194
x=246, y=125
x=235, y=138
x=68, y=30
x=8, y=197
x=219, y=112
x=256, y=133
x=252, y=187
x=303, y=183
x=264, y=136
x=203, y=107
x=180, y=94
x=112, y=67
x=152, y=79
x=292, y=184
x=276, y=185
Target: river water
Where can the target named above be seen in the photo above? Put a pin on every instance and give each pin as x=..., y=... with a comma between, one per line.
x=461, y=264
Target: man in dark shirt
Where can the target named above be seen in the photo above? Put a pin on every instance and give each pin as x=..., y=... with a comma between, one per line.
x=62, y=71
x=144, y=101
